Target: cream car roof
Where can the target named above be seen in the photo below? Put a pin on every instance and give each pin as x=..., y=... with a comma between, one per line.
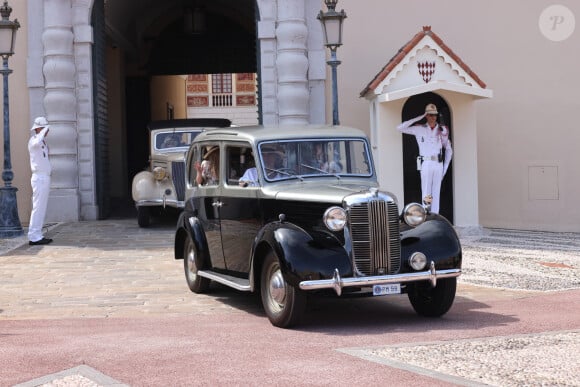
x=256, y=134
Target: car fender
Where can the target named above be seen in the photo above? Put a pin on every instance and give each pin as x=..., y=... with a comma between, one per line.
x=189, y=226
x=437, y=239
x=145, y=187
x=302, y=255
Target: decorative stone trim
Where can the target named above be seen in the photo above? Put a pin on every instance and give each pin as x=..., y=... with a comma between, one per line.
x=60, y=105
x=292, y=63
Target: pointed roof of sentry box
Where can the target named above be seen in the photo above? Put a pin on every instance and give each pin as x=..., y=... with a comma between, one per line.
x=422, y=65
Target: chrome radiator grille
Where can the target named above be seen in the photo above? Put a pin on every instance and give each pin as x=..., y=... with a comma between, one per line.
x=178, y=176
x=374, y=232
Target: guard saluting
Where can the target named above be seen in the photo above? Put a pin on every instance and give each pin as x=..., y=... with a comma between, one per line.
x=435, y=153
x=40, y=180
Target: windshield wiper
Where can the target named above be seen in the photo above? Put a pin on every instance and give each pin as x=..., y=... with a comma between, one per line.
x=286, y=172
x=320, y=170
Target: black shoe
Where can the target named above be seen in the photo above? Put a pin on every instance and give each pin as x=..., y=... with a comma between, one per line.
x=43, y=241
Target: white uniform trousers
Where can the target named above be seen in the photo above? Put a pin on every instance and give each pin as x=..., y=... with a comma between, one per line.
x=431, y=177
x=40, y=191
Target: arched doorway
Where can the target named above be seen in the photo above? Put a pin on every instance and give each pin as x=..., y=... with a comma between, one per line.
x=87, y=50
x=144, y=39
x=415, y=106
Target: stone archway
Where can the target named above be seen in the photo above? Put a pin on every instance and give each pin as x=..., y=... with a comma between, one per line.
x=291, y=60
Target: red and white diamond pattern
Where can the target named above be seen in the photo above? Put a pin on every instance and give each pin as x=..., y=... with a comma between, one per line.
x=426, y=69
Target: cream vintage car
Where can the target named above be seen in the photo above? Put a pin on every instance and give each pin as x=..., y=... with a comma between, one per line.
x=162, y=184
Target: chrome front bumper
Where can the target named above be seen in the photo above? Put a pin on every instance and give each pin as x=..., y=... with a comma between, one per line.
x=160, y=202
x=337, y=283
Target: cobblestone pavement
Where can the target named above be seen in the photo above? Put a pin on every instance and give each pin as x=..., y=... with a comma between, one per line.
x=523, y=260
x=512, y=260
x=98, y=269
x=114, y=269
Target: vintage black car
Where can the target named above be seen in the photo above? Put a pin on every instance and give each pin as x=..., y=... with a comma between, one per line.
x=293, y=211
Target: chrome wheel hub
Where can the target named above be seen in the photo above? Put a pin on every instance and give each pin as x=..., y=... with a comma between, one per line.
x=277, y=288
x=192, y=269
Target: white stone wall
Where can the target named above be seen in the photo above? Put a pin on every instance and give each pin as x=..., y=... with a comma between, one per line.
x=83, y=41
x=240, y=116
x=59, y=76
x=60, y=103
x=268, y=50
x=60, y=86
x=293, y=69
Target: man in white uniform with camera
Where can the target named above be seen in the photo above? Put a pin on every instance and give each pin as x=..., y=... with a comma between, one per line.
x=435, y=153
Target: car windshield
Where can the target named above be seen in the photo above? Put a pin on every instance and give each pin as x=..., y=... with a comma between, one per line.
x=315, y=158
x=174, y=139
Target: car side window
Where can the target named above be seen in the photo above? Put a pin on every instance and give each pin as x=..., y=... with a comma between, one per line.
x=238, y=160
x=207, y=170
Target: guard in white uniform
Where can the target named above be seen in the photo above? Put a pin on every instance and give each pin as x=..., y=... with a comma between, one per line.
x=40, y=180
x=435, y=153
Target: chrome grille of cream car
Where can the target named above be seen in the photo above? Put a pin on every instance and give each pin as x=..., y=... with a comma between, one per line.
x=178, y=176
x=374, y=232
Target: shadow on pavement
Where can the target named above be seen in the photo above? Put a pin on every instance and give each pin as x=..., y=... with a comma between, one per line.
x=368, y=315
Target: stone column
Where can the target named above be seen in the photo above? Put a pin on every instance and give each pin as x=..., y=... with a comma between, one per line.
x=292, y=63
x=60, y=104
x=268, y=75
x=83, y=46
x=316, y=64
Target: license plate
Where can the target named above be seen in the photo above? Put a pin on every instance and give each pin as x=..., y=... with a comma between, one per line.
x=383, y=290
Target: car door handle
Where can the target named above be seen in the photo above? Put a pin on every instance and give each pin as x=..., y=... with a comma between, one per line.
x=217, y=204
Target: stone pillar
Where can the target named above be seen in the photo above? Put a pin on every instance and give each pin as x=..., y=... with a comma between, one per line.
x=292, y=63
x=60, y=104
x=268, y=75
x=83, y=46
x=35, y=60
x=316, y=64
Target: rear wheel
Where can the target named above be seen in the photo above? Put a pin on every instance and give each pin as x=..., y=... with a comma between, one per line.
x=143, y=216
x=431, y=301
x=284, y=304
x=191, y=263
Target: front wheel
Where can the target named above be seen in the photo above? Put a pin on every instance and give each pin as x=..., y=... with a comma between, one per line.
x=284, y=304
x=432, y=301
x=191, y=263
x=143, y=216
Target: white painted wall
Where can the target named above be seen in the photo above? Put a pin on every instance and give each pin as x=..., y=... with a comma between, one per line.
x=240, y=115
x=530, y=121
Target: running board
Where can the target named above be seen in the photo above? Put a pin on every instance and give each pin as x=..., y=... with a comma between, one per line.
x=228, y=280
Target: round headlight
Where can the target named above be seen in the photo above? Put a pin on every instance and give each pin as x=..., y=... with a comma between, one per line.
x=335, y=218
x=159, y=173
x=414, y=214
x=418, y=261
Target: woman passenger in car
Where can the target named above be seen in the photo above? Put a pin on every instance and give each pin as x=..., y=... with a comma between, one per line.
x=208, y=170
x=319, y=158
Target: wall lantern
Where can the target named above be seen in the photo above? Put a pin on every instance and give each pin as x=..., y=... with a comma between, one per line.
x=7, y=31
x=332, y=28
